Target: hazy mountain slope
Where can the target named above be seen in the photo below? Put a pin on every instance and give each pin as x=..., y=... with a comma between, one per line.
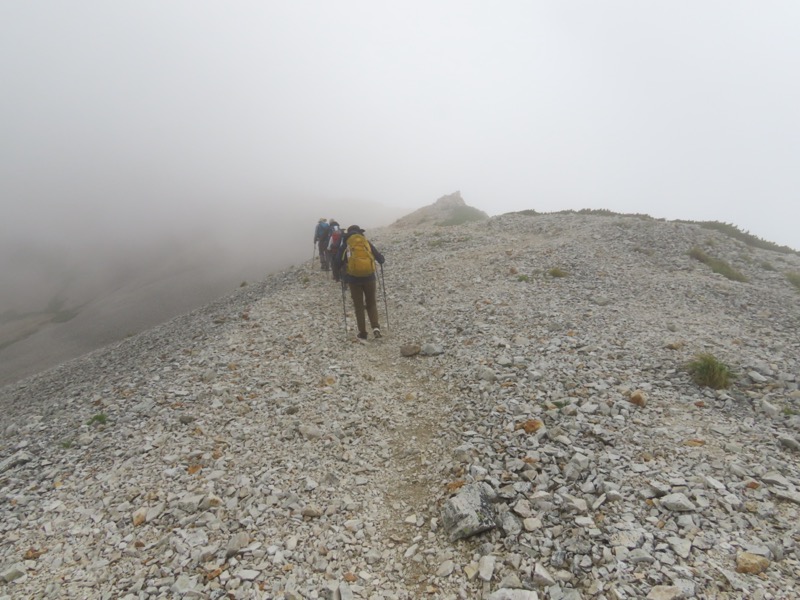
x=252, y=449
x=60, y=299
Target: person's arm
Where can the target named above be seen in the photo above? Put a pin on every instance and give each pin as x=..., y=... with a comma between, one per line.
x=378, y=256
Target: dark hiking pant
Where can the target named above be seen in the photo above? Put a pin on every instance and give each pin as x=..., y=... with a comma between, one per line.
x=323, y=254
x=364, y=296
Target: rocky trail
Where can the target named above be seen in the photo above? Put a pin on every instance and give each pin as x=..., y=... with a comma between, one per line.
x=526, y=429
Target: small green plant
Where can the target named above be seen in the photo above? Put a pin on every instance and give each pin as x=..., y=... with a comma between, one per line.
x=743, y=236
x=98, y=419
x=66, y=444
x=524, y=278
x=558, y=272
x=767, y=266
x=243, y=284
x=436, y=243
x=790, y=412
x=794, y=278
x=707, y=371
x=305, y=279
x=718, y=266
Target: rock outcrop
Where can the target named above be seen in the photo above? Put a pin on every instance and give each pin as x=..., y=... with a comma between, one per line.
x=253, y=449
x=447, y=210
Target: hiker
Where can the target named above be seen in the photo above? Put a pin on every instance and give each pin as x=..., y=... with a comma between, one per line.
x=356, y=266
x=321, y=240
x=334, y=245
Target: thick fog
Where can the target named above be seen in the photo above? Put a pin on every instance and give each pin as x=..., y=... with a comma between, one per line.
x=144, y=140
x=680, y=110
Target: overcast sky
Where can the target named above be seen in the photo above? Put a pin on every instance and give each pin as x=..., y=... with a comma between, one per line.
x=113, y=112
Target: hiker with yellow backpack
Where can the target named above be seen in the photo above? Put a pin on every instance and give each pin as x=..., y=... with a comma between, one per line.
x=355, y=263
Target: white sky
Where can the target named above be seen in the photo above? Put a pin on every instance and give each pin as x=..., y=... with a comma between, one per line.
x=112, y=110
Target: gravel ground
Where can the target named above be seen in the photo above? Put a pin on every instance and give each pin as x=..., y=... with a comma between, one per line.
x=514, y=435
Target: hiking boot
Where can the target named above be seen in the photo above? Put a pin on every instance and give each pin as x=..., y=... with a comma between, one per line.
x=362, y=335
x=376, y=332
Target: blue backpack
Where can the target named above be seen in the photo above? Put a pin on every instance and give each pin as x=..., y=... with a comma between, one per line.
x=322, y=231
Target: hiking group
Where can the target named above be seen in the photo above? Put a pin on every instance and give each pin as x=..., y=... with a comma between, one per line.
x=351, y=258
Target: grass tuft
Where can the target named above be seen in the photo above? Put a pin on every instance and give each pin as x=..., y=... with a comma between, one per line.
x=794, y=278
x=558, y=272
x=717, y=265
x=734, y=232
x=707, y=371
x=98, y=419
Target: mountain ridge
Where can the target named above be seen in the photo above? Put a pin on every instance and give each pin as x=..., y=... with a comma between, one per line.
x=251, y=448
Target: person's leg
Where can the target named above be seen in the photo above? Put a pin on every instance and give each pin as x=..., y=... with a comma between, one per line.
x=322, y=249
x=371, y=293
x=357, y=294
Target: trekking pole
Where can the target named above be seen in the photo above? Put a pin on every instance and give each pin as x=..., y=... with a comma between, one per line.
x=344, y=309
x=385, y=304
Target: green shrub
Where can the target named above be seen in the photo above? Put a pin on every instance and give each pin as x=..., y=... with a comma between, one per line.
x=524, y=278
x=707, y=371
x=98, y=419
x=794, y=278
x=743, y=236
x=558, y=272
x=604, y=212
x=717, y=265
x=767, y=266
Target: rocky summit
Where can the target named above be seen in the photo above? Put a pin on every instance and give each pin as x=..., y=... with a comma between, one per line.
x=526, y=429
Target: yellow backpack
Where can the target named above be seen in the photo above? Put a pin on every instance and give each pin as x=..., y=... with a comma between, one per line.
x=360, y=262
